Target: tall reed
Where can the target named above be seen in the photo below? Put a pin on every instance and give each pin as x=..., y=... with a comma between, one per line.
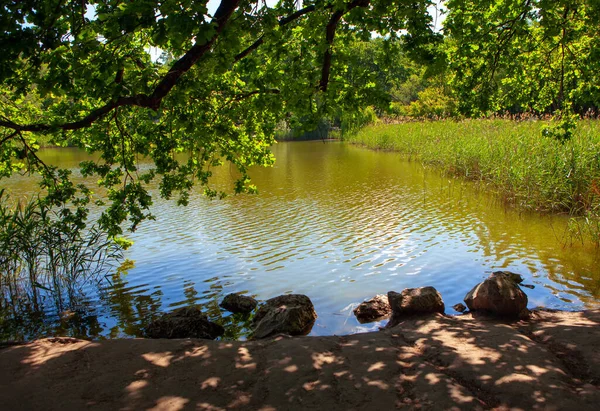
x=512, y=158
x=45, y=259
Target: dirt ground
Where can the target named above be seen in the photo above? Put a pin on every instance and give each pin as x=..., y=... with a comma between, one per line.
x=549, y=362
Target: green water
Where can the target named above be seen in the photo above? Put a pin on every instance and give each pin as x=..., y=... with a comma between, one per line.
x=335, y=222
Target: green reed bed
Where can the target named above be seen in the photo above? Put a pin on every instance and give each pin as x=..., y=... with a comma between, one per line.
x=45, y=260
x=513, y=158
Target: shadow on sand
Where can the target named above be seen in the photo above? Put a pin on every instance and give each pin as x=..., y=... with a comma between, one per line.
x=434, y=362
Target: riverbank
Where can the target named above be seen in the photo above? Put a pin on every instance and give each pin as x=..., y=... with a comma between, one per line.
x=548, y=362
x=514, y=159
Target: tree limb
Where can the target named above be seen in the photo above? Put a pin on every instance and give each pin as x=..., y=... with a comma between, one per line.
x=10, y=136
x=282, y=22
x=153, y=101
x=330, y=35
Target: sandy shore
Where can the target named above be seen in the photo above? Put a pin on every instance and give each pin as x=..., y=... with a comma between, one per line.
x=549, y=362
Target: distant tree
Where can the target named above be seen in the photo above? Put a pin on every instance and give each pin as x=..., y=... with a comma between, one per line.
x=524, y=55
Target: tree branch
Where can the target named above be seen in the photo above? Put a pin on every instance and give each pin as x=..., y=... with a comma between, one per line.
x=330, y=35
x=181, y=66
x=153, y=101
x=282, y=22
x=10, y=136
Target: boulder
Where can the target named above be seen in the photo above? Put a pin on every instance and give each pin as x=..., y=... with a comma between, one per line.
x=459, y=307
x=498, y=294
x=237, y=303
x=411, y=301
x=373, y=309
x=517, y=278
x=186, y=322
x=292, y=314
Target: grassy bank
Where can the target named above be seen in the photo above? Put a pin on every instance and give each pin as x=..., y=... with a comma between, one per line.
x=511, y=158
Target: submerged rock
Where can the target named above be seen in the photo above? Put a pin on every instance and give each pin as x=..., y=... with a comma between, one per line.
x=498, y=294
x=292, y=314
x=186, y=322
x=376, y=308
x=459, y=307
x=237, y=303
x=411, y=301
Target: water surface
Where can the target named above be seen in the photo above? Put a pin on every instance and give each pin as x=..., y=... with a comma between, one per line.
x=338, y=223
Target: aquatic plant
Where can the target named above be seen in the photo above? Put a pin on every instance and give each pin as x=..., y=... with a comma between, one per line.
x=45, y=259
x=515, y=159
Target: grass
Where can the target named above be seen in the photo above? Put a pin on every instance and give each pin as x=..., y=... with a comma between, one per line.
x=45, y=260
x=512, y=158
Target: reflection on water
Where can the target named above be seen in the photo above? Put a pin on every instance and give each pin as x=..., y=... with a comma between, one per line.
x=339, y=224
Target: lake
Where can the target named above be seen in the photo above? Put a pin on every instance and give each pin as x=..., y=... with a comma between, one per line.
x=336, y=222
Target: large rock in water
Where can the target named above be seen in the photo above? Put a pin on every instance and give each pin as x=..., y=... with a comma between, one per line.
x=376, y=308
x=498, y=294
x=237, y=303
x=186, y=322
x=292, y=314
x=411, y=301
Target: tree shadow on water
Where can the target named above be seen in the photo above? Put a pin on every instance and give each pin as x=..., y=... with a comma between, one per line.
x=436, y=362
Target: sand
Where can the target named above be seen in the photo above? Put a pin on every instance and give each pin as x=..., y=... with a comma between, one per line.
x=549, y=362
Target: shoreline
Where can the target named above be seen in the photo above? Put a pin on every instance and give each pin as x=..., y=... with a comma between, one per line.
x=549, y=361
x=512, y=158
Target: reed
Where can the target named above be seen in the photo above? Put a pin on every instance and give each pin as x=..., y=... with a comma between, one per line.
x=44, y=259
x=514, y=159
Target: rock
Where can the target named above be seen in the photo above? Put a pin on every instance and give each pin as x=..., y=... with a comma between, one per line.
x=525, y=314
x=373, y=309
x=410, y=301
x=186, y=322
x=292, y=314
x=517, y=278
x=498, y=294
x=459, y=307
x=237, y=303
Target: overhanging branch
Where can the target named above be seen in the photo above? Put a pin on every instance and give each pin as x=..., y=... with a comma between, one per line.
x=282, y=22
x=330, y=35
x=154, y=100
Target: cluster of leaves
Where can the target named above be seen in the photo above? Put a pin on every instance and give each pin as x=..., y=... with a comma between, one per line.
x=538, y=56
x=81, y=72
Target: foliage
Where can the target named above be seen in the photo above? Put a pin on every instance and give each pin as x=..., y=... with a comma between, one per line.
x=224, y=81
x=431, y=103
x=533, y=55
x=354, y=121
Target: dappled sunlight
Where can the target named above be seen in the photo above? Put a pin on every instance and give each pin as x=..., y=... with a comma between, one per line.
x=170, y=403
x=211, y=382
x=201, y=351
x=241, y=401
x=135, y=389
x=514, y=378
x=51, y=348
x=315, y=385
x=204, y=406
x=376, y=383
x=432, y=378
x=158, y=359
x=376, y=367
x=436, y=362
x=325, y=358
x=244, y=359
